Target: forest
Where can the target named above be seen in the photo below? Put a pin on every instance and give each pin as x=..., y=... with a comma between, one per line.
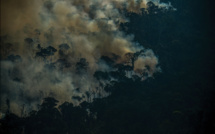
x=179, y=99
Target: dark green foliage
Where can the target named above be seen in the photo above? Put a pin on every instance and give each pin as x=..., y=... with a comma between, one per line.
x=75, y=117
x=82, y=66
x=11, y=124
x=99, y=75
x=107, y=60
x=48, y=120
x=49, y=103
x=44, y=52
x=77, y=98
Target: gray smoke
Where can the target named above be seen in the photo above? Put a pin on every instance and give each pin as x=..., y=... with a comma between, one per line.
x=55, y=48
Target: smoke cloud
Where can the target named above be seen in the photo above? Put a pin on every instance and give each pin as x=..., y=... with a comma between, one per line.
x=65, y=49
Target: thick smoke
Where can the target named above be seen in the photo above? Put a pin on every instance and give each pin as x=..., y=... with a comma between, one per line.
x=66, y=49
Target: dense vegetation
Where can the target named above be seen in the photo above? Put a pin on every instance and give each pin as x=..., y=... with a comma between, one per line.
x=179, y=100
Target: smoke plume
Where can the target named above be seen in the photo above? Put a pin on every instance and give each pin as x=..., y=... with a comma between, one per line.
x=67, y=49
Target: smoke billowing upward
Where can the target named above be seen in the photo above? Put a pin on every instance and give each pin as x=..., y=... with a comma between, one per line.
x=67, y=49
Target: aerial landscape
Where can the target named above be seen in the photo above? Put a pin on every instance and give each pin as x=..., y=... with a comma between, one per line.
x=107, y=67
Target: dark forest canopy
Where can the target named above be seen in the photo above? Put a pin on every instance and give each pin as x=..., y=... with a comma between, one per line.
x=179, y=100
